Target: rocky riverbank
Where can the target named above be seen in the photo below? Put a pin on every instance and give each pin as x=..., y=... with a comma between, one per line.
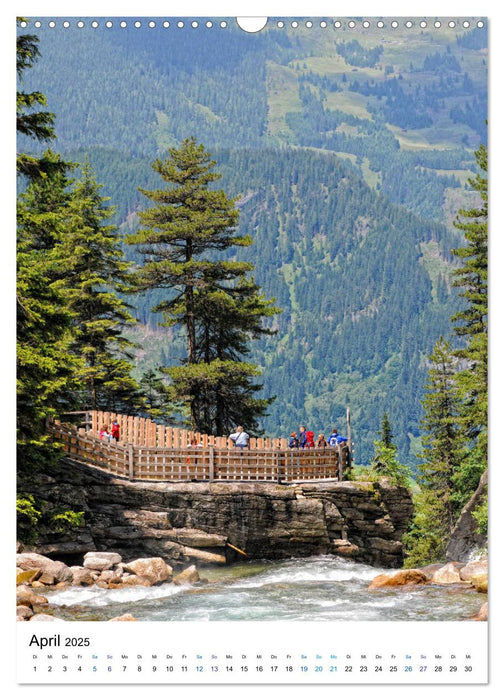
x=190, y=523
x=102, y=569
x=42, y=580
x=473, y=574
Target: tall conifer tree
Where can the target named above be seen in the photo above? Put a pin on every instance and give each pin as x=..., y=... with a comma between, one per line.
x=94, y=275
x=31, y=121
x=385, y=461
x=443, y=451
x=43, y=320
x=181, y=239
x=228, y=319
x=45, y=370
x=472, y=279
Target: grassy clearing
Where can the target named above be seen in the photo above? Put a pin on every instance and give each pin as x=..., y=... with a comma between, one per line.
x=283, y=97
x=413, y=140
x=348, y=156
x=334, y=66
x=371, y=177
x=461, y=175
x=435, y=265
x=349, y=102
x=401, y=53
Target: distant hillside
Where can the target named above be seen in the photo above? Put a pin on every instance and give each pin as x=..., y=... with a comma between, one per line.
x=349, y=151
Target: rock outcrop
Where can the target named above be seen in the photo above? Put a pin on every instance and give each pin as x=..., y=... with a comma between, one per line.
x=185, y=523
x=465, y=537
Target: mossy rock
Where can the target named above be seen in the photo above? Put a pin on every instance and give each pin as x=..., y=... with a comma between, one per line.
x=480, y=582
x=27, y=576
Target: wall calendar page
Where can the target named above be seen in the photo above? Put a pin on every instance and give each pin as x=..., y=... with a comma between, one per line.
x=252, y=342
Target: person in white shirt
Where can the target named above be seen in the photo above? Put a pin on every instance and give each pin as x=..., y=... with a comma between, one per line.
x=240, y=438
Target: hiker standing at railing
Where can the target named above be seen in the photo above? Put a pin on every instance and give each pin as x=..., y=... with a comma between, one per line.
x=336, y=439
x=115, y=431
x=240, y=438
x=105, y=434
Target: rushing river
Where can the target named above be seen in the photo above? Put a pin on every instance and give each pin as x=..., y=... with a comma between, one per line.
x=318, y=588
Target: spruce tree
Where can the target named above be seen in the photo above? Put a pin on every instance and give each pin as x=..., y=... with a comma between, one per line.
x=443, y=451
x=385, y=461
x=45, y=369
x=227, y=319
x=472, y=279
x=43, y=322
x=95, y=274
x=386, y=431
x=156, y=396
x=182, y=239
x=30, y=120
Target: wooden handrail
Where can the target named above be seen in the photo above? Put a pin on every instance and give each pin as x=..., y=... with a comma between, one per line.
x=211, y=463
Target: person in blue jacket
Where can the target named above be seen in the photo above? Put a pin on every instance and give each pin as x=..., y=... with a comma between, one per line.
x=302, y=437
x=293, y=440
x=336, y=439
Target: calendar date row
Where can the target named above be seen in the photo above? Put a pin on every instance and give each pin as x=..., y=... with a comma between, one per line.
x=319, y=668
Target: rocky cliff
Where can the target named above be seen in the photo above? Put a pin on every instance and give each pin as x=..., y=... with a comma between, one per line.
x=465, y=538
x=206, y=522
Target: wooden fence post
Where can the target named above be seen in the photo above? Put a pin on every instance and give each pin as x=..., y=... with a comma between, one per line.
x=340, y=462
x=131, y=462
x=349, y=436
x=211, y=463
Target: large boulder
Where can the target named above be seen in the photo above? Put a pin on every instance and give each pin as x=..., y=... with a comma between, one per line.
x=446, y=574
x=25, y=596
x=52, y=571
x=82, y=576
x=26, y=576
x=109, y=576
x=476, y=573
x=100, y=561
x=187, y=576
x=399, y=578
x=154, y=569
x=24, y=612
x=482, y=615
x=480, y=583
x=123, y=618
x=474, y=568
x=431, y=569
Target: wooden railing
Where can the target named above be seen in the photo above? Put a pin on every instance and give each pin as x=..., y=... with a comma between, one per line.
x=144, y=431
x=206, y=463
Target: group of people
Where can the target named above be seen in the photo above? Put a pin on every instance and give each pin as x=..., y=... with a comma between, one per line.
x=306, y=439
x=110, y=433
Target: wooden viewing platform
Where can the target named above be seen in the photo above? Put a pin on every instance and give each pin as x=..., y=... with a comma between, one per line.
x=142, y=454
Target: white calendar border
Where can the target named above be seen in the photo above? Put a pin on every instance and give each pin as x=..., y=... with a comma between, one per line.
x=259, y=8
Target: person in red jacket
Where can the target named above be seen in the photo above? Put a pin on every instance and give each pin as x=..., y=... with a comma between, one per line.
x=115, y=431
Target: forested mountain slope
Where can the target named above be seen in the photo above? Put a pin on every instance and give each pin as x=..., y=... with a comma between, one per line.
x=349, y=152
